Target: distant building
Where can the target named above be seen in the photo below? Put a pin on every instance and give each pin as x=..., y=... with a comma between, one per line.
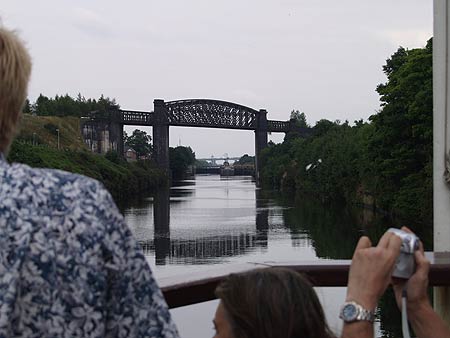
x=130, y=154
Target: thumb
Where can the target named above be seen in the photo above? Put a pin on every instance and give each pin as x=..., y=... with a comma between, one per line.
x=363, y=243
x=422, y=264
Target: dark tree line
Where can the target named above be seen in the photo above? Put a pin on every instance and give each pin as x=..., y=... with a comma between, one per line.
x=386, y=162
x=65, y=105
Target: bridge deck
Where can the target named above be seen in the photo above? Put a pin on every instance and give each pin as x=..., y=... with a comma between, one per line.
x=206, y=120
x=199, y=287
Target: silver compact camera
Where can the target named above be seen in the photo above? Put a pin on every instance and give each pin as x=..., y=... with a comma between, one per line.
x=406, y=264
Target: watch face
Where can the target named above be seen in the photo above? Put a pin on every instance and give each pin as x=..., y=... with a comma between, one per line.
x=349, y=312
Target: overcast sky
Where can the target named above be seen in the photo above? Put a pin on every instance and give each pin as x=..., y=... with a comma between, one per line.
x=322, y=57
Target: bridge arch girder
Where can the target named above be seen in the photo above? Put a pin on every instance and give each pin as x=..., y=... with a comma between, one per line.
x=211, y=113
x=204, y=113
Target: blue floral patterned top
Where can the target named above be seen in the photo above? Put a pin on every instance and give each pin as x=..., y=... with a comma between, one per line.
x=69, y=266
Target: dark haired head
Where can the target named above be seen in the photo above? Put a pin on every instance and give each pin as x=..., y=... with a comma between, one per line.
x=271, y=303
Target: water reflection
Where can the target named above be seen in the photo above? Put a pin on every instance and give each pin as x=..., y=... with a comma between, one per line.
x=210, y=245
x=333, y=231
x=212, y=220
x=161, y=220
x=199, y=221
x=207, y=250
x=215, y=218
x=262, y=217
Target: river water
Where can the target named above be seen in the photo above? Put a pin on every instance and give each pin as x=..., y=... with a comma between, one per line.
x=209, y=221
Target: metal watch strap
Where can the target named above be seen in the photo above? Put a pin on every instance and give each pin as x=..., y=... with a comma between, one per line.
x=357, y=313
x=365, y=315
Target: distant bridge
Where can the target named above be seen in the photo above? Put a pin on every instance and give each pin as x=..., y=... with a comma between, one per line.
x=212, y=159
x=104, y=132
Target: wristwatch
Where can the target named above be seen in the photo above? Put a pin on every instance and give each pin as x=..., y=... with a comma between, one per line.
x=352, y=312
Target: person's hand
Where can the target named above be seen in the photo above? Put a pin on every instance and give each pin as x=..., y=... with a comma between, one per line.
x=416, y=286
x=371, y=269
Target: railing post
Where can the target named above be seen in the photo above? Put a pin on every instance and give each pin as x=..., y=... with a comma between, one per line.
x=161, y=135
x=260, y=141
x=441, y=144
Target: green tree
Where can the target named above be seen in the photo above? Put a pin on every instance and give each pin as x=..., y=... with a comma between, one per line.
x=299, y=118
x=322, y=127
x=387, y=161
x=106, y=104
x=65, y=105
x=401, y=146
x=140, y=142
x=202, y=163
x=43, y=106
x=245, y=159
x=298, y=126
x=180, y=159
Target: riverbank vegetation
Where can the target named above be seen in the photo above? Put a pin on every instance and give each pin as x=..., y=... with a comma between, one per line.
x=385, y=163
x=37, y=145
x=181, y=159
x=246, y=160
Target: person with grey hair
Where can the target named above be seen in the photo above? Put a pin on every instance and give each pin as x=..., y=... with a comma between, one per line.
x=69, y=266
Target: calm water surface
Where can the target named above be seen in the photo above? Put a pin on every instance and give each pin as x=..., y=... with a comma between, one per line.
x=209, y=221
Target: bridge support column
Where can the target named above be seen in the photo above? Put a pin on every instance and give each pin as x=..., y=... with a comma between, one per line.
x=260, y=142
x=103, y=135
x=161, y=136
x=116, y=133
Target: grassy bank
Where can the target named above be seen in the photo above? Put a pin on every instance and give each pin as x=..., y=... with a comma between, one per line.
x=44, y=130
x=36, y=146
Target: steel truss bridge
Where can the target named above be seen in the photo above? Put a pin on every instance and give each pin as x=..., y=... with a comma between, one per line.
x=204, y=113
x=104, y=131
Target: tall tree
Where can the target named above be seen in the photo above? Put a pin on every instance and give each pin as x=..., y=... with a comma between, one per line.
x=299, y=118
x=180, y=159
x=140, y=142
x=401, y=146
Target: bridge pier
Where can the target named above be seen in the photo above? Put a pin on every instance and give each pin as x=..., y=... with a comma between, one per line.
x=260, y=141
x=161, y=136
x=103, y=135
x=116, y=133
